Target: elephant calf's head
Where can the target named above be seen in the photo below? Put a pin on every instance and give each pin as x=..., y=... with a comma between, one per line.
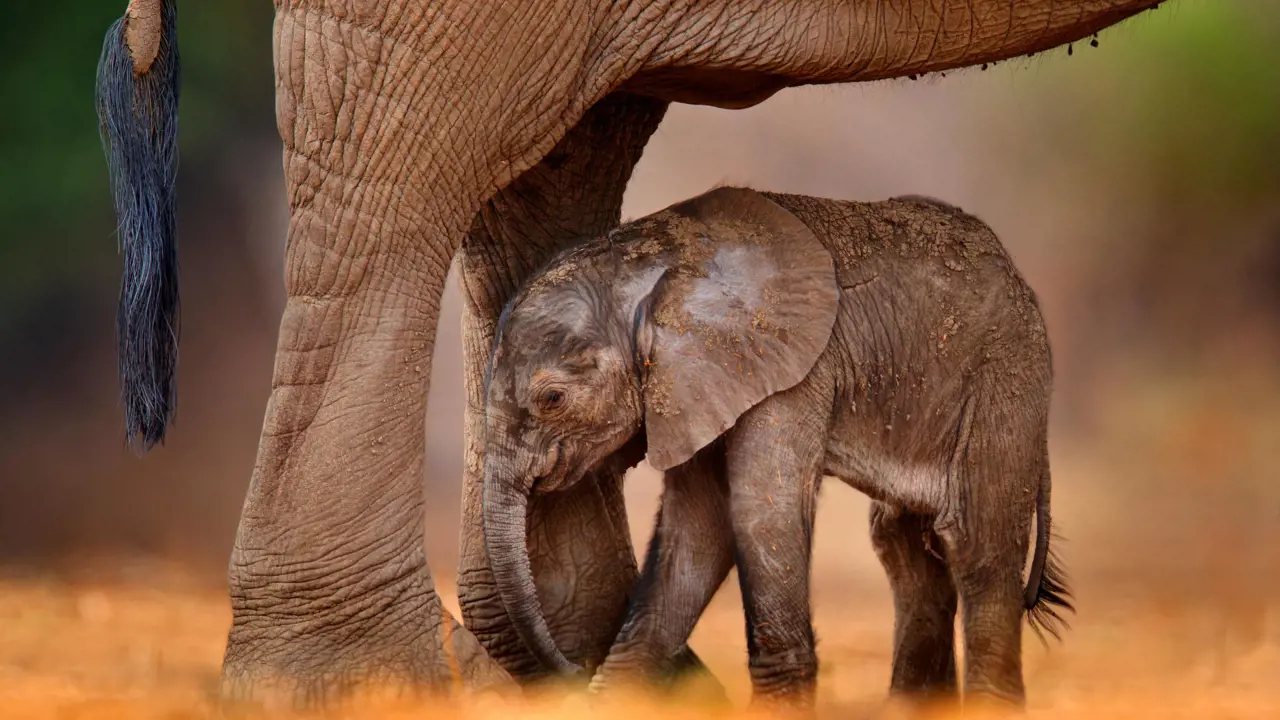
x=563, y=390
x=676, y=323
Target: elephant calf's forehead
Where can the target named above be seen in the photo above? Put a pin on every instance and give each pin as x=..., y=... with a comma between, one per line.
x=555, y=322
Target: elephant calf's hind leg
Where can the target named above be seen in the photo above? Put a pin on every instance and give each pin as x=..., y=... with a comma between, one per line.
x=995, y=476
x=924, y=601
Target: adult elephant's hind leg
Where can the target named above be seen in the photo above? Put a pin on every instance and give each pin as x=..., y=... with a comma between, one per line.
x=924, y=602
x=579, y=541
x=330, y=589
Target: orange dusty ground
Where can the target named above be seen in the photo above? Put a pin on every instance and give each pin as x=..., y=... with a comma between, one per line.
x=148, y=646
x=1177, y=584
x=88, y=650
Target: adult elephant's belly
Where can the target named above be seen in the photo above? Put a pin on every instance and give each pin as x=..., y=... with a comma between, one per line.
x=723, y=88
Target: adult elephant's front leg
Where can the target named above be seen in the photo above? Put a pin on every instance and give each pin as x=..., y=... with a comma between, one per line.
x=579, y=542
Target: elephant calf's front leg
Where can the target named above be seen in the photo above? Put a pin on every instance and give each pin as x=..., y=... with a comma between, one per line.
x=689, y=557
x=774, y=455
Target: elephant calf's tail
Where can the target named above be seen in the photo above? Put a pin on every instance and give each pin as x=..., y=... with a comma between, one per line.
x=1047, y=594
x=137, y=98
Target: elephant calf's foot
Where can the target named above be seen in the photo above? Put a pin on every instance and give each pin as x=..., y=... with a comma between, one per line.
x=630, y=675
x=785, y=683
x=683, y=676
x=981, y=703
x=785, y=707
x=912, y=706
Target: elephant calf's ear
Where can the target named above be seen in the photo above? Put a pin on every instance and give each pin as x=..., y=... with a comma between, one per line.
x=744, y=312
x=642, y=332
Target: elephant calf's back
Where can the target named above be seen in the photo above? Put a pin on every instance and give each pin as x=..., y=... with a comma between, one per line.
x=926, y=283
x=933, y=316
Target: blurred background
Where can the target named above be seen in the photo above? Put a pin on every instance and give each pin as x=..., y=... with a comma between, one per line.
x=1137, y=185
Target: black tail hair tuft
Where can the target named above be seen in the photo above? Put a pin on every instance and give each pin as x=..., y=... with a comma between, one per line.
x=1053, y=599
x=138, y=122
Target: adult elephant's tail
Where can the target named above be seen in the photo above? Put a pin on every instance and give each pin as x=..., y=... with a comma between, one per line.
x=137, y=96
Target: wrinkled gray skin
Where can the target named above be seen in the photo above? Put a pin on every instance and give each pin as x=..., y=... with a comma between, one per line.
x=754, y=343
x=491, y=134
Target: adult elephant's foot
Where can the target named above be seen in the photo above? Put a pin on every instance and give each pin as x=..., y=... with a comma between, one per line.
x=385, y=632
x=434, y=660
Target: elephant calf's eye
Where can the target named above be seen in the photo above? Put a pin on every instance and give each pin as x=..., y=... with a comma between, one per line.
x=551, y=399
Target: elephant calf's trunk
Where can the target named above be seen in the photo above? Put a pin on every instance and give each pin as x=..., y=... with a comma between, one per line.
x=505, y=513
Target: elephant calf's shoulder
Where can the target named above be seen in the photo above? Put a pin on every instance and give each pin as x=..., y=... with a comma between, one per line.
x=842, y=226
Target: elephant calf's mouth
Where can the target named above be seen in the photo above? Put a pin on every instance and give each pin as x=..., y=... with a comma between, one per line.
x=566, y=471
x=553, y=478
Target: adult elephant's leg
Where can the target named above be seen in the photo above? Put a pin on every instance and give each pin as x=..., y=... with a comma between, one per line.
x=329, y=585
x=579, y=541
x=329, y=582
x=398, y=124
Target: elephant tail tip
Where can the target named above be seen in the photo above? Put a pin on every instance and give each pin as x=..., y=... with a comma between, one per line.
x=1048, y=599
x=137, y=101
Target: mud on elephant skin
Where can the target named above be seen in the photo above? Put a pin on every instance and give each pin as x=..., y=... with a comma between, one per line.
x=754, y=343
x=405, y=125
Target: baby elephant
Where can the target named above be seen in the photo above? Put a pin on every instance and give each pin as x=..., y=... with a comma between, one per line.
x=752, y=343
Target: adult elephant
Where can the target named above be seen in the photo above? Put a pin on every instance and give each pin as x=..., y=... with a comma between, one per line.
x=420, y=133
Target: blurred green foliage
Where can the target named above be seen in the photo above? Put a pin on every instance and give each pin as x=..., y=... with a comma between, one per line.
x=55, y=207
x=1202, y=120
